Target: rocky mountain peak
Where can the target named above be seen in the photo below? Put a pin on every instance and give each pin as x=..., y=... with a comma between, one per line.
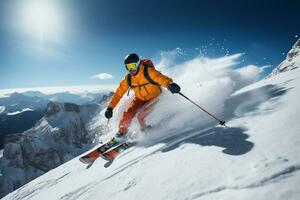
x=294, y=52
x=54, y=108
x=290, y=62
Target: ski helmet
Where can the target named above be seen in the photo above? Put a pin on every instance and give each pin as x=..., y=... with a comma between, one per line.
x=131, y=58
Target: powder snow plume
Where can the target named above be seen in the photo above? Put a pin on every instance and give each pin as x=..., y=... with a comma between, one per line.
x=207, y=81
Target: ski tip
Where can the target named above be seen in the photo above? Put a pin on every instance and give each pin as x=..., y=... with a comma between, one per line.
x=86, y=160
x=83, y=160
x=108, y=163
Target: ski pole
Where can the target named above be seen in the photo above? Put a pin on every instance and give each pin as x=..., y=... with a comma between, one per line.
x=221, y=122
x=107, y=127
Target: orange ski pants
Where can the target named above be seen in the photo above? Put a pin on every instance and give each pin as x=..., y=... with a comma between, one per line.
x=143, y=108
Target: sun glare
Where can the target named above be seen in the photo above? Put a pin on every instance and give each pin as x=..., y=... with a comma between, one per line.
x=42, y=20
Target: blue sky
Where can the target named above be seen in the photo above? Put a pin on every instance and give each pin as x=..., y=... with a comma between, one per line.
x=65, y=43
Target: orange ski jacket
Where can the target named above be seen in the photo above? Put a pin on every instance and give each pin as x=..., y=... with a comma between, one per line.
x=143, y=90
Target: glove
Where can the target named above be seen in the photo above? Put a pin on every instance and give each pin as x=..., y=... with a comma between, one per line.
x=174, y=88
x=109, y=113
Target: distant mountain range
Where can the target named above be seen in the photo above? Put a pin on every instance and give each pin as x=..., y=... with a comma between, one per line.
x=20, y=111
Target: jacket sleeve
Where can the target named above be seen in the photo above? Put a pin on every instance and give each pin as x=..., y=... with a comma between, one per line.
x=121, y=90
x=159, y=77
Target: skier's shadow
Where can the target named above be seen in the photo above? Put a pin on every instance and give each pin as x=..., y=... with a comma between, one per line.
x=247, y=102
x=233, y=140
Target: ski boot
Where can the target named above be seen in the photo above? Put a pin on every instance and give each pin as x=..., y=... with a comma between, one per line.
x=120, y=138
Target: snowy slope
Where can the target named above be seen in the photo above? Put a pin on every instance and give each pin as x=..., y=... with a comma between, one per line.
x=186, y=156
x=256, y=158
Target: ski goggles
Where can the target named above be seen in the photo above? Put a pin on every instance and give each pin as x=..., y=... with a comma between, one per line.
x=132, y=66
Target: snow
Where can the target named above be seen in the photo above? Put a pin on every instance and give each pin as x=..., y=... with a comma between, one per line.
x=18, y=112
x=186, y=156
x=2, y=109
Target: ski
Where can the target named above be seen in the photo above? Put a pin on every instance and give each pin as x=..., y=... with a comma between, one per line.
x=114, y=152
x=93, y=155
x=111, y=154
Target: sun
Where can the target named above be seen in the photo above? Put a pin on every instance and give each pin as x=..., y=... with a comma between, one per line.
x=42, y=20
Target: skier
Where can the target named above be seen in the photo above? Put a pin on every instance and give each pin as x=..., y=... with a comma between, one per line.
x=146, y=83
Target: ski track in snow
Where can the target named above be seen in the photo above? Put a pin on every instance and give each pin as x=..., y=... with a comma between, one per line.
x=80, y=191
x=285, y=173
x=28, y=194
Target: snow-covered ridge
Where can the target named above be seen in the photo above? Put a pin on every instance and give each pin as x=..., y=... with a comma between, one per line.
x=18, y=112
x=291, y=62
x=2, y=109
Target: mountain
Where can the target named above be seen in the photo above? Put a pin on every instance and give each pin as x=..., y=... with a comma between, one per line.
x=186, y=155
x=290, y=63
x=34, y=93
x=17, y=101
x=65, y=131
x=69, y=97
x=20, y=111
x=55, y=139
x=17, y=122
x=36, y=100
